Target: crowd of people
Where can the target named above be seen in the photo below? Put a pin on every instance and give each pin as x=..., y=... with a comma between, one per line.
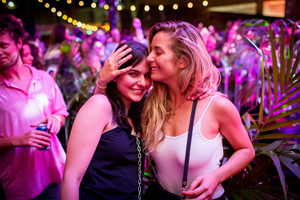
x=142, y=102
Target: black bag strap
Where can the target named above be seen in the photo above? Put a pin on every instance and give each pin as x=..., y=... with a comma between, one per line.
x=188, y=147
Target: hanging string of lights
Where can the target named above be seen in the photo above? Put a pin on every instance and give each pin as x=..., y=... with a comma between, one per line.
x=91, y=27
x=70, y=19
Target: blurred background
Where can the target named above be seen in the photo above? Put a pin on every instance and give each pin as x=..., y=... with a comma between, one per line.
x=41, y=15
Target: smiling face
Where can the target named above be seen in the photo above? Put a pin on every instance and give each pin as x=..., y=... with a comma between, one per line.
x=134, y=84
x=9, y=51
x=162, y=59
x=26, y=55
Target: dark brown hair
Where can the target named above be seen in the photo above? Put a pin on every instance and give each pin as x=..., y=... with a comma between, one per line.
x=139, y=52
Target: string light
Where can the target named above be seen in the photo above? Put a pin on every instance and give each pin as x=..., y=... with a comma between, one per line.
x=3, y=1
x=119, y=7
x=190, y=5
x=11, y=4
x=74, y=22
x=175, y=6
x=205, y=3
x=161, y=7
x=146, y=8
x=106, y=7
x=70, y=20
x=132, y=8
x=65, y=17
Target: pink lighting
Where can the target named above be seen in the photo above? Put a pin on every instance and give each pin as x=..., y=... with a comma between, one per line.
x=274, y=8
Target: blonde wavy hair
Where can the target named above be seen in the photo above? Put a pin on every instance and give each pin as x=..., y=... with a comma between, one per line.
x=199, y=75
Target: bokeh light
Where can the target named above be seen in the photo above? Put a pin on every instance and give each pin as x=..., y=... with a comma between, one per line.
x=147, y=8
x=161, y=7
x=175, y=6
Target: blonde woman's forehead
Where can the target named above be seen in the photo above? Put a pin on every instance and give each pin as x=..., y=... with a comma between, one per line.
x=161, y=40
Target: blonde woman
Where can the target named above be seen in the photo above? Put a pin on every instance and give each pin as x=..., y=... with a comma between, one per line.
x=180, y=65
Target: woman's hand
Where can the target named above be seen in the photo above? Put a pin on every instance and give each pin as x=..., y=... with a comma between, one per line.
x=110, y=68
x=199, y=95
x=203, y=187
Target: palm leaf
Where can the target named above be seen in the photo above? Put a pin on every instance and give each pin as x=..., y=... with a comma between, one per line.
x=290, y=56
x=277, y=136
x=296, y=63
x=261, y=109
x=274, y=61
x=276, y=161
x=282, y=60
x=279, y=125
x=294, y=84
x=288, y=95
x=269, y=88
x=288, y=162
x=283, y=114
x=288, y=103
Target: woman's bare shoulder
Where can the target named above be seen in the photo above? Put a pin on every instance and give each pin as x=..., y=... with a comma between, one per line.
x=222, y=104
x=98, y=102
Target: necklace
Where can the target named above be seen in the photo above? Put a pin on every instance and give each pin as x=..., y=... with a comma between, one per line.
x=178, y=107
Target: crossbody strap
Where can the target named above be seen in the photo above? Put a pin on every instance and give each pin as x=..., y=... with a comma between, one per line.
x=188, y=147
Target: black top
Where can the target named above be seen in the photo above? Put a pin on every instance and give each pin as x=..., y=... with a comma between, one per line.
x=113, y=170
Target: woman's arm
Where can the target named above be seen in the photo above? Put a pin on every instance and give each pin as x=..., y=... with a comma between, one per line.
x=85, y=135
x=231, y=127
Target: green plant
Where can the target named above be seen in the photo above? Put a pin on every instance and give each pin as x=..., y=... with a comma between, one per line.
x=275, y=168
x=77, y=84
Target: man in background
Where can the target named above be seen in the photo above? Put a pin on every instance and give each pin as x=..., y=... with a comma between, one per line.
x=28, y=97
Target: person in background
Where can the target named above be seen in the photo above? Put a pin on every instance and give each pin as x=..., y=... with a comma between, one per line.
x=28, y=97
x=54, y=60
x=103, y=160
x=31, y=55
x=25, y=53
x=139, y=34
x=39, y=43
x=93, y=49
x=115, y=41
x=38, y=57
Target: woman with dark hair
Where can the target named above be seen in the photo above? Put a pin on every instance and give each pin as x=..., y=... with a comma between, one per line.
x=31, y=56
x=104, y=158
x=25, y=53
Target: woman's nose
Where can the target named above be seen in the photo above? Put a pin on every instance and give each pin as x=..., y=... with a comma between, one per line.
x=149, y=58
x=142, y=81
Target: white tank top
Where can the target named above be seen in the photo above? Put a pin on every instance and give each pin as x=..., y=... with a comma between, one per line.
x=205, y=157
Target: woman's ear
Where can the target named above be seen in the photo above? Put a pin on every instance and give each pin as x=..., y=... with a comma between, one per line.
x=183, y=62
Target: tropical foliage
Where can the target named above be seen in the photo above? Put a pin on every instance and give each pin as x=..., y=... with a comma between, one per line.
x=77, y=84
x=273, y=131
